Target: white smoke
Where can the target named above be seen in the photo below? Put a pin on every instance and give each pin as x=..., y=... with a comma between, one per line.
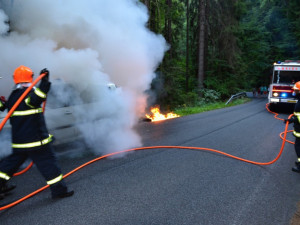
x=85, y=44
x=3, y=25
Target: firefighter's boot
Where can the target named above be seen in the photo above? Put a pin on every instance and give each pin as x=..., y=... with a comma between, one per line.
x=63, y=195
x=5, y=188
x=297, y=167
x=60, y=190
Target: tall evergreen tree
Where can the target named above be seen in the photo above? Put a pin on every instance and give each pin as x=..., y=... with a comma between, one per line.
x=201, y=42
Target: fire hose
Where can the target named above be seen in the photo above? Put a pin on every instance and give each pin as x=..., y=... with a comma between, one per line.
x=143, y=148
x=282, y=133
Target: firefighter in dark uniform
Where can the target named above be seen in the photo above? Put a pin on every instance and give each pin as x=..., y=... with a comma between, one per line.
x=296, y=120
x=30, y=137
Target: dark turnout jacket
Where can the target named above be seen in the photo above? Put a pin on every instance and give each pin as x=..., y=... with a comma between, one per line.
x=296, y=120
x=28, y=123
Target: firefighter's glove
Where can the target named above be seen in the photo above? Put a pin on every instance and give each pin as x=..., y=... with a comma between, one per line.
x=45, y=84
x=291, y=120
x=46, y=77
x=2, y=103
x=2, y=99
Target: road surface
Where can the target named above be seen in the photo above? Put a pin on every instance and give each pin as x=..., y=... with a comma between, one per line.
x=177, y=186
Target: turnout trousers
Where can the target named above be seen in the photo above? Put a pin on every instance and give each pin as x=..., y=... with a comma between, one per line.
x=297, y=147
x=44, y=159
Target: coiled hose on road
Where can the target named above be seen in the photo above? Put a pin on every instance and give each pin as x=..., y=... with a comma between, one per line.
x=135, y=149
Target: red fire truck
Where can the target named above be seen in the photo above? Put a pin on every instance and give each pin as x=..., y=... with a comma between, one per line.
x=285, y=75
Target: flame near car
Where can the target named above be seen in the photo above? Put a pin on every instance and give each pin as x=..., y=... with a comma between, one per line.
x=156, y=115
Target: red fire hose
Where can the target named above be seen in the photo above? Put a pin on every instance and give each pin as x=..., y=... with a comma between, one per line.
x=159, y=147
x=282, y=133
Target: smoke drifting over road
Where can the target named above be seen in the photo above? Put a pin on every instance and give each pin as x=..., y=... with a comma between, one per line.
x=86, y=44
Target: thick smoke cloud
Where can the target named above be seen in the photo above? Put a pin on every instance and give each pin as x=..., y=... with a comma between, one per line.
x=86, y=44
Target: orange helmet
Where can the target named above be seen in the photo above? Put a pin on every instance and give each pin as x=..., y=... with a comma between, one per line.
x=23, y=74
x=296, y=86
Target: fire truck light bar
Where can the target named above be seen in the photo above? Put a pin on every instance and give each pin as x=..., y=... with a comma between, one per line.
x=283, y=90
x=287, y=68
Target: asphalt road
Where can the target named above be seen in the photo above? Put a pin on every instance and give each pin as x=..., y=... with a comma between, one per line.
x=176, y=186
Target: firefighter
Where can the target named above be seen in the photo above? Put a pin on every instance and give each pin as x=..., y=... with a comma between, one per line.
x=296, y=120
x=30, y=137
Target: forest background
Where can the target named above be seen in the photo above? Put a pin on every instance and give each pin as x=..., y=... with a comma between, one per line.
x=220, y=47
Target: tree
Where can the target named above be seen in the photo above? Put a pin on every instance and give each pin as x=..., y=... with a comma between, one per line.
x=187, y=55
x=168, y=25
x=147, y=3
x=201, y=43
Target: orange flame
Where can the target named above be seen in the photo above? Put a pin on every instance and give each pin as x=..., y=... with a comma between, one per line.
x=157, y=116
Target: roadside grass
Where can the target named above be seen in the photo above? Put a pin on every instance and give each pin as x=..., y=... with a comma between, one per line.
x=183, y=111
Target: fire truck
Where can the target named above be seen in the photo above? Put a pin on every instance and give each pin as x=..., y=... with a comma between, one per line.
x=285, y=75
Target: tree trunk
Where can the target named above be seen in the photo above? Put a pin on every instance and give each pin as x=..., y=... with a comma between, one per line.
x=147, y=3
x=168, y=25
x=187, y=58
x=201, y=43
x=152, y=11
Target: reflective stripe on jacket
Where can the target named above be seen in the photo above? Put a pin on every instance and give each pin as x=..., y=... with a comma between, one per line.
x=40, y=93
x=296, y=134
x=27, y=112
x=296, y=120
x=297, y=114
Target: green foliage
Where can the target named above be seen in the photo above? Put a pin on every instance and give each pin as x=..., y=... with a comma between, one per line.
x=185, y=110
x=209, y=95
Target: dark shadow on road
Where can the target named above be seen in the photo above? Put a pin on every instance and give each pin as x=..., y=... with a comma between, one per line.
x=283, y=108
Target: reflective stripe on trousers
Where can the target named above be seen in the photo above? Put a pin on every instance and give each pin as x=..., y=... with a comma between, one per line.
x=4, y=176
x=55, y=180
x=34, y=144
